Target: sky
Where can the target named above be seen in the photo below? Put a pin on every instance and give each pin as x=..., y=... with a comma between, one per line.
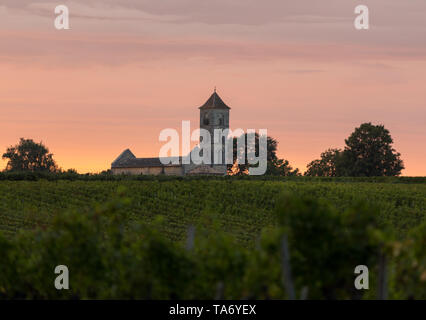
x=128, y=69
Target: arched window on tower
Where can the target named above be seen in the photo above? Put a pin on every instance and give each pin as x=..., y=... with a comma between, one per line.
x=221, y=120
x=206, y=121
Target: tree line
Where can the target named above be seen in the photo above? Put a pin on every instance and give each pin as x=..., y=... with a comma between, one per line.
x=368, y=152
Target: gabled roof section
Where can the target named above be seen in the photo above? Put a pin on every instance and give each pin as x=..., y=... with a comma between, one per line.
x=147, y=162
x=123, y=157
x=214, y=102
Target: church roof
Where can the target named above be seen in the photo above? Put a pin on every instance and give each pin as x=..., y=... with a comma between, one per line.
x=214, y=102
x=128, y=160
x=123, y=157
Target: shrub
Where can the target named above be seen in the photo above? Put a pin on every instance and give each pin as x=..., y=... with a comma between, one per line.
x=410, y=265
x=327, y=245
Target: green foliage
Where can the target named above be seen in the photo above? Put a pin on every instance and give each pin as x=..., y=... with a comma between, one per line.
x=327, y=166
x=368, y=153
x=109, y=255
x=242, y=205
x=410, y=266
x=106, y=257
x=107, y=176
x=71, y=172
x=323, y=239
x=29, y=156
x=275, y=166
x=280, y=167
x=110, y=258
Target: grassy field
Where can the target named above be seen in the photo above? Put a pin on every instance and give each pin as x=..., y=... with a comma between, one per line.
x=242, y=207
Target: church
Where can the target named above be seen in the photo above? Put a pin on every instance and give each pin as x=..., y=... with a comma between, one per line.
x=214, y=114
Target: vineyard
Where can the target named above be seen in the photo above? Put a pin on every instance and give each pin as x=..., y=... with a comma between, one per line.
x=241, y=207
x=148, y=238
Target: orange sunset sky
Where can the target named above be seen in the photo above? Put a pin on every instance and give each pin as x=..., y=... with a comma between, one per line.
x=128, y=69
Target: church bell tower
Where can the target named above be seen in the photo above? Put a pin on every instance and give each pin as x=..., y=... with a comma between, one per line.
x=214, y=114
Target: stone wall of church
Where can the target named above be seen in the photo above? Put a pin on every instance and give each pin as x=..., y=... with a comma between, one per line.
x=206, y=170
x=173, y=171
x=144, y=170
x=169, y=171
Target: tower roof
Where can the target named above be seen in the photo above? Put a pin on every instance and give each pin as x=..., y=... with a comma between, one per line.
x=214, y=102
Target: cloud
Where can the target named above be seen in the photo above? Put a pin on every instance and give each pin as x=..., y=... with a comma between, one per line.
x=94, y=49
x=303, y=71
x=220, y=31
x=249, y=12
x=97, y=11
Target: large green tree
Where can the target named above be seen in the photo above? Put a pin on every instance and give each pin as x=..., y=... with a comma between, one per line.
x=369, y=152
x=28, y=155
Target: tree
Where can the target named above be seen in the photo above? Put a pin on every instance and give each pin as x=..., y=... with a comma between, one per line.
x=29, y=156
x=327, y=166
x=369, y=152
x=276, y=166
x=281, y=167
